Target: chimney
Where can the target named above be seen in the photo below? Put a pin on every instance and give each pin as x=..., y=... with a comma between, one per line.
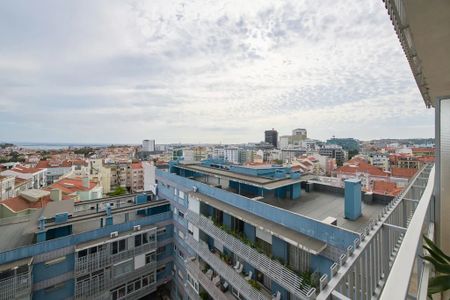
x=86, y=182
x=55, y=195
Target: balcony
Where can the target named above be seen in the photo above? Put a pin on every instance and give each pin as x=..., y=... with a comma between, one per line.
x=273, y=269
x=193, y=267
x=225, y=271
x=384, y=262
x=103, y=258
x=17, y=286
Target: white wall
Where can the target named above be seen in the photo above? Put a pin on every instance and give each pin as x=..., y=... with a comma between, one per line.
x=149, y=176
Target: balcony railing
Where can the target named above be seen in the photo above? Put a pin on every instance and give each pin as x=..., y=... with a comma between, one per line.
x=273, y=269
x=225, y=271
x=16, y=287
x=413, y=280
x=193, y=267
x=364, y=270
x=101, y=259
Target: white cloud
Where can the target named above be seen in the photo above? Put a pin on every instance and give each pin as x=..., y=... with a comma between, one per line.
x=203, y=71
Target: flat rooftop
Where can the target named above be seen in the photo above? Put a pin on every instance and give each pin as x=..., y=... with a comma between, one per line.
x=20, y=231
x=259, y=181
x=320, y=205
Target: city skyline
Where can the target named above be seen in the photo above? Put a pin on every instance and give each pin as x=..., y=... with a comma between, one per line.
x=199, y=72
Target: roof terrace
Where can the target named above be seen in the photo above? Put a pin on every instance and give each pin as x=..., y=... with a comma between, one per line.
x=281, y=187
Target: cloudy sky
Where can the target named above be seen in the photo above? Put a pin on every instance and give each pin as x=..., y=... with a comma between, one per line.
x=203, y=71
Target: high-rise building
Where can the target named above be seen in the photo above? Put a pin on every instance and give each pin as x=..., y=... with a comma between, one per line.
x=148, y=145
x=300, y=132
x=334, y=151
x=271, y=137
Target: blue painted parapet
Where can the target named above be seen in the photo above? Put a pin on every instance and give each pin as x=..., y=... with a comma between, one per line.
x=352, y=199
x=141, y=199
x=61, y=218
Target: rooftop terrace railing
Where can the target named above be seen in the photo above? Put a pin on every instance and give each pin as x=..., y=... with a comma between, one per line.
x=362, y=272
x=413, y=269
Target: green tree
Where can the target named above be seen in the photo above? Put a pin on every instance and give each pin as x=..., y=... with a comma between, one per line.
x=118, y=191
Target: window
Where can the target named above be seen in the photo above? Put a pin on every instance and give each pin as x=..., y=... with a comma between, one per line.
x=137, y=240
x=130, y=288
x=118, y=246
x=123, y=268
x=145, y=281
x=137, y=284
x=145, y=238
x=149, y=257
x=82, y=253
x=181, y=214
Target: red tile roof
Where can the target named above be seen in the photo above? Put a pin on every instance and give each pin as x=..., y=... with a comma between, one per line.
x=79, y=162
x=360, y=166
x=25, y=170
x=71, y=185
x=136, y=166
x=403, y=172
x=423, y=149
x=385, y=188
x=18, y=204
x=54, y=164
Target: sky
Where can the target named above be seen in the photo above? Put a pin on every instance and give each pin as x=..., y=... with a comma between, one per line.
x=203, y=71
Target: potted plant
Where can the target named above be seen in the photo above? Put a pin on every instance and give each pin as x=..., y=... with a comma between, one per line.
x=441, y=262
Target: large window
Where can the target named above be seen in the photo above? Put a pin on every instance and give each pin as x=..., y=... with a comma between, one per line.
x=118, y=246
x=123, y=268
x=150, y=257
x=141, y=239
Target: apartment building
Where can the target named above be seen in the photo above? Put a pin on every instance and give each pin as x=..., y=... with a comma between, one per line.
x=100, y=173
x=334, y=151
x=238, y=228
x=6, y=187
x=37, y=176
x=55, y=169
x=117, y=248
x=137, y=177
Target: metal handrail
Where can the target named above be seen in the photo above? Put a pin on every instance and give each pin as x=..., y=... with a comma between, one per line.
x=397, y=287
x=225, y=271
x=273, y=269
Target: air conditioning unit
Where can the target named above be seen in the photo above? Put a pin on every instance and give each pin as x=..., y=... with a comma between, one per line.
x=137, y=227
x=114, y=234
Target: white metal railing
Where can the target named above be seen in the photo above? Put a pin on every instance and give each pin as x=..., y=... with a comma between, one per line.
x=271, y=268
x=397, y=286
x=193, y=268
x=103, y=258
x=225, y=271
x=361, y=272
x=16, y=287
